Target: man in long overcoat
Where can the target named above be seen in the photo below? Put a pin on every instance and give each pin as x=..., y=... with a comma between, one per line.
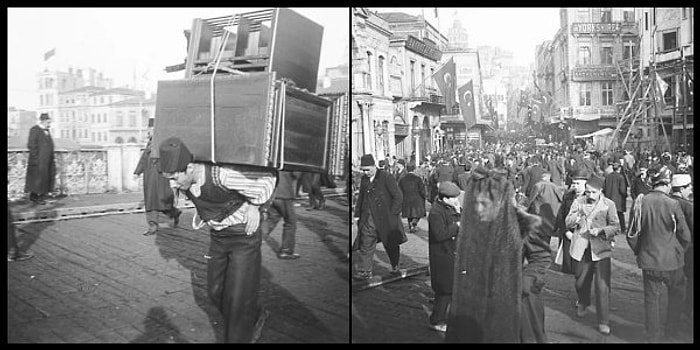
x=545, y=199
x=615, y=189
x=495, y=296
x=378, y=209
x=413, y=206
x=41, y=167
x=158, y=196
x=682, y=190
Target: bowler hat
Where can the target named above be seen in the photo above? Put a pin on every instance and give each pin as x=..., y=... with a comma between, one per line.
x=44, y=116
x=174, y=155
x=367, y=160
x=596, y=181
x=448, y=189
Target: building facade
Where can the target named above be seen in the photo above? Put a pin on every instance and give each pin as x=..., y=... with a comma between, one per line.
x=585, y=53
x=19, y=121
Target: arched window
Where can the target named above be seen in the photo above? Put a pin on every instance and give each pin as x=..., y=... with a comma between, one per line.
x=119, y=140
x=380, y=74
x=369, y=70
x=132, y=140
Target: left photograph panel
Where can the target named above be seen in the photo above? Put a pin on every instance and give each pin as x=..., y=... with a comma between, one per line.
x=178, y=175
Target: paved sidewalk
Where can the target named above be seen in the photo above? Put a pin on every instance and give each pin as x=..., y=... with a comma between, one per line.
x=98, y=279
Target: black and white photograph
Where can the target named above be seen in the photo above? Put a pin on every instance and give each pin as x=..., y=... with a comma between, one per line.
x=178, y=175
x=528, y=173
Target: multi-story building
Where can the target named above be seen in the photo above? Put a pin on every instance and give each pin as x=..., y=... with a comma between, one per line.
x=666, y=48
x=586, y=50
x=334, y=80
x=130, y=119
x=372, y=106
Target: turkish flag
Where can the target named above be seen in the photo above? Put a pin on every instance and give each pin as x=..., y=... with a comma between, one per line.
x=446, y=80
x=466, y=104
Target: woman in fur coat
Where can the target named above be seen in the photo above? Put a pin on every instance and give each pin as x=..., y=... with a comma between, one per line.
x=495, y=297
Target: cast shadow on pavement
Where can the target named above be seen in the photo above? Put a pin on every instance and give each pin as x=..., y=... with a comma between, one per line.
x=159, y=329
x=290, y=321
x=188, y=248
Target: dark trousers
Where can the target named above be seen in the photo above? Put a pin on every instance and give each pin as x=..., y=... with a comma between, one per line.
x=284, y=209
x=152, y=215
x=586, y=270
x=688, y=269
x=412, y=222
x=11, y=238
x=233, y=280
x=367, y=244
x=653, y=281
x=316, y=198
x=621, y=217
x=441, y=307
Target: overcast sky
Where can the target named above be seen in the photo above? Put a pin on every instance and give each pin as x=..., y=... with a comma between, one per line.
x=519, y=30
x=118, y=41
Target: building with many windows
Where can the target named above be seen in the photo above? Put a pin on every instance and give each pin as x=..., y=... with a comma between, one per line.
x=584, y=55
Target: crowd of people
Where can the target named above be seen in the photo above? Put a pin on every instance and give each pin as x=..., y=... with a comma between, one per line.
x=496, y=206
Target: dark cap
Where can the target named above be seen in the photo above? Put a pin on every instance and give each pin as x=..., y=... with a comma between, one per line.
x=44, y=116
x=448, y=189
x=402, y=162
x=596, y=181
x=174, y=155
x=367, y=160
x=579, y=174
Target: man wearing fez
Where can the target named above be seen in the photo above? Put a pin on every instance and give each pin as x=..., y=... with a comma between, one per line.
x=229, y=200
x=378, y=207
x=41, y=167
x=595, y=222
x=158, y=196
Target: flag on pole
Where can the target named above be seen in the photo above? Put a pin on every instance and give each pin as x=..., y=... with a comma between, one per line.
x=689, y=90
x=466, y=104
x=445, y=78
x=49, y=54
x=679, y=94
x=661, y=86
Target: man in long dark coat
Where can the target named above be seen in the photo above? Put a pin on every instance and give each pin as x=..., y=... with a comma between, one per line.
x=413, y=206
x=158, y=196
x=378, y=208
x=41, y=167
x=443, y=227
x=495, y=296
x=682, y=190
x=576, y=189
x=615, y=189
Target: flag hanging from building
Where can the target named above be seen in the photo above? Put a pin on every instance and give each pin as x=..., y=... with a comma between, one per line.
x=661, y=87
x=689, y=90
x=466, y=104
x=445, y=78
x=537, y=110
x=679, y=94
x=49, y=54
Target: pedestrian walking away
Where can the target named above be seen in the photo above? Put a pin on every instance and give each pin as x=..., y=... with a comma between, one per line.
x=413, y=205
x=283, y=208
x=664, y=237
x=158, y=196
x=41, y=166
x=378, y=209
x=229, y=200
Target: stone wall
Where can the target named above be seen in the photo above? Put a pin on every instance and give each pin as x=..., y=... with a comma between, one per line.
x=83, y=171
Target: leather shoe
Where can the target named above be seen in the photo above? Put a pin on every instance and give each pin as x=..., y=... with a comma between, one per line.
x=580, y=310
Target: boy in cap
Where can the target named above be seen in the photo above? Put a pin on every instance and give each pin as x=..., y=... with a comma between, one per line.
x=443, y=227
x=595, y=222
x=229, y=200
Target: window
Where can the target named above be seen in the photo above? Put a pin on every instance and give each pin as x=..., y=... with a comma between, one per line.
x=646, y=21
x=41, y=100
x=584, y=55
x=606, y=55
x=120, y=119
x=607, y=93
x=380, y=74
x=73, y=132
x=670, y=41
x=369, y=70
x=413, y=76
x=92, y=119
x=629, y=50
x=585, y=95
x=132, y=119
x=606, y=15
x=102, y=100
x=583, y=15
x=422, y=79
x=628, y=16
